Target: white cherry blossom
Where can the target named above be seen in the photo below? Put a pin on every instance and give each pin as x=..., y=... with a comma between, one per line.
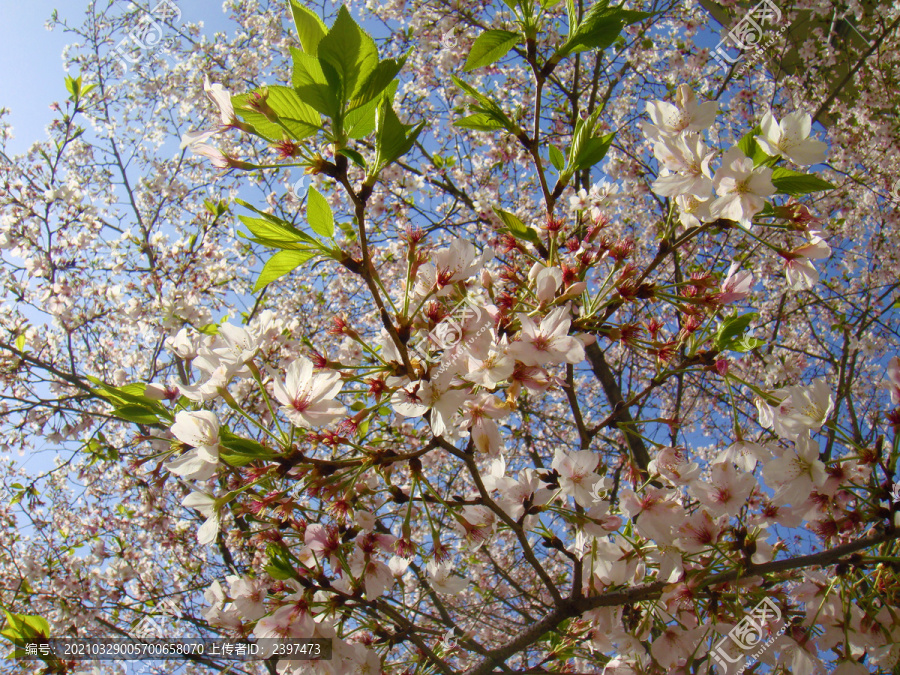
x=307, y=398
x=790, y=138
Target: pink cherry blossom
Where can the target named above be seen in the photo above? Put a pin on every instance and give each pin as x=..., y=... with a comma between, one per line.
x=576, y=474
x=549, y=342
x=736, y=286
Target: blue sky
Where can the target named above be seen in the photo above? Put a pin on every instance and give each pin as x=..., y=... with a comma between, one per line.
x=31, y=72
x=31, y=67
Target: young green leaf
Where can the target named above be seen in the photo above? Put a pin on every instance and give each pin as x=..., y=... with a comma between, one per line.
x=377, y=81
x=490, y=46
x=746, y=344
x=731, y=329
x=598, y=29
x=275, y=232
x=297, y=119
x=310, y=28
x=393, y=139
x=516, y=227
x=319, y=213
x=556, y=158
x=750, y=147
x=798, y=183
x=487, y=107
x=136, y=413
x=350, y=51
x=592, y=151
x=73, y=86
x=479, y=122
x=312, y=86
x=354, y=157
x=283, y=262
x=360, y=122
x=245, y=446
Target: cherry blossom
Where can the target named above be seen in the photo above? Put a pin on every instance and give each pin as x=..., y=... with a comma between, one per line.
x=790, y=138
x=443, y=580
x=206, y=505
x=684, y=115
x=742, y=189
x=549, y=341
x=799, y=271
x=687, y=159
x=796, y=472
x=727, y=491
x=200, y=430
x=736, y=286
x=495, y=320
x=576, y=474
x=893, y=379
x=307, y=398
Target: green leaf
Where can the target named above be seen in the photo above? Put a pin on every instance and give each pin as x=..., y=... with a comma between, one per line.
x=572, y=15
x=279, y=245
x=350, y=51
x=377, y=81
x=312, y=86
x=279, y=573
x=360, y=122
x=592, y=151
x=24, y=628
x=599, y=28
x=746, y=344
x=349, y=231
x=479, y=122
x=750, y=147
x=393, y=139
x=280, y=264
x=245, y=446
x=798, y=183
x=556, y=158
x=490, y=46
x=297, y=119
x=319, y=213
x=587, y=149
x=516, y=227
x=354, y=156
x=732, y=328
x=488, y=107
x=310, y=28
x=20, y=342
x=131, y=399
x=138, y=414
x=73, y=86
x=276, y=235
